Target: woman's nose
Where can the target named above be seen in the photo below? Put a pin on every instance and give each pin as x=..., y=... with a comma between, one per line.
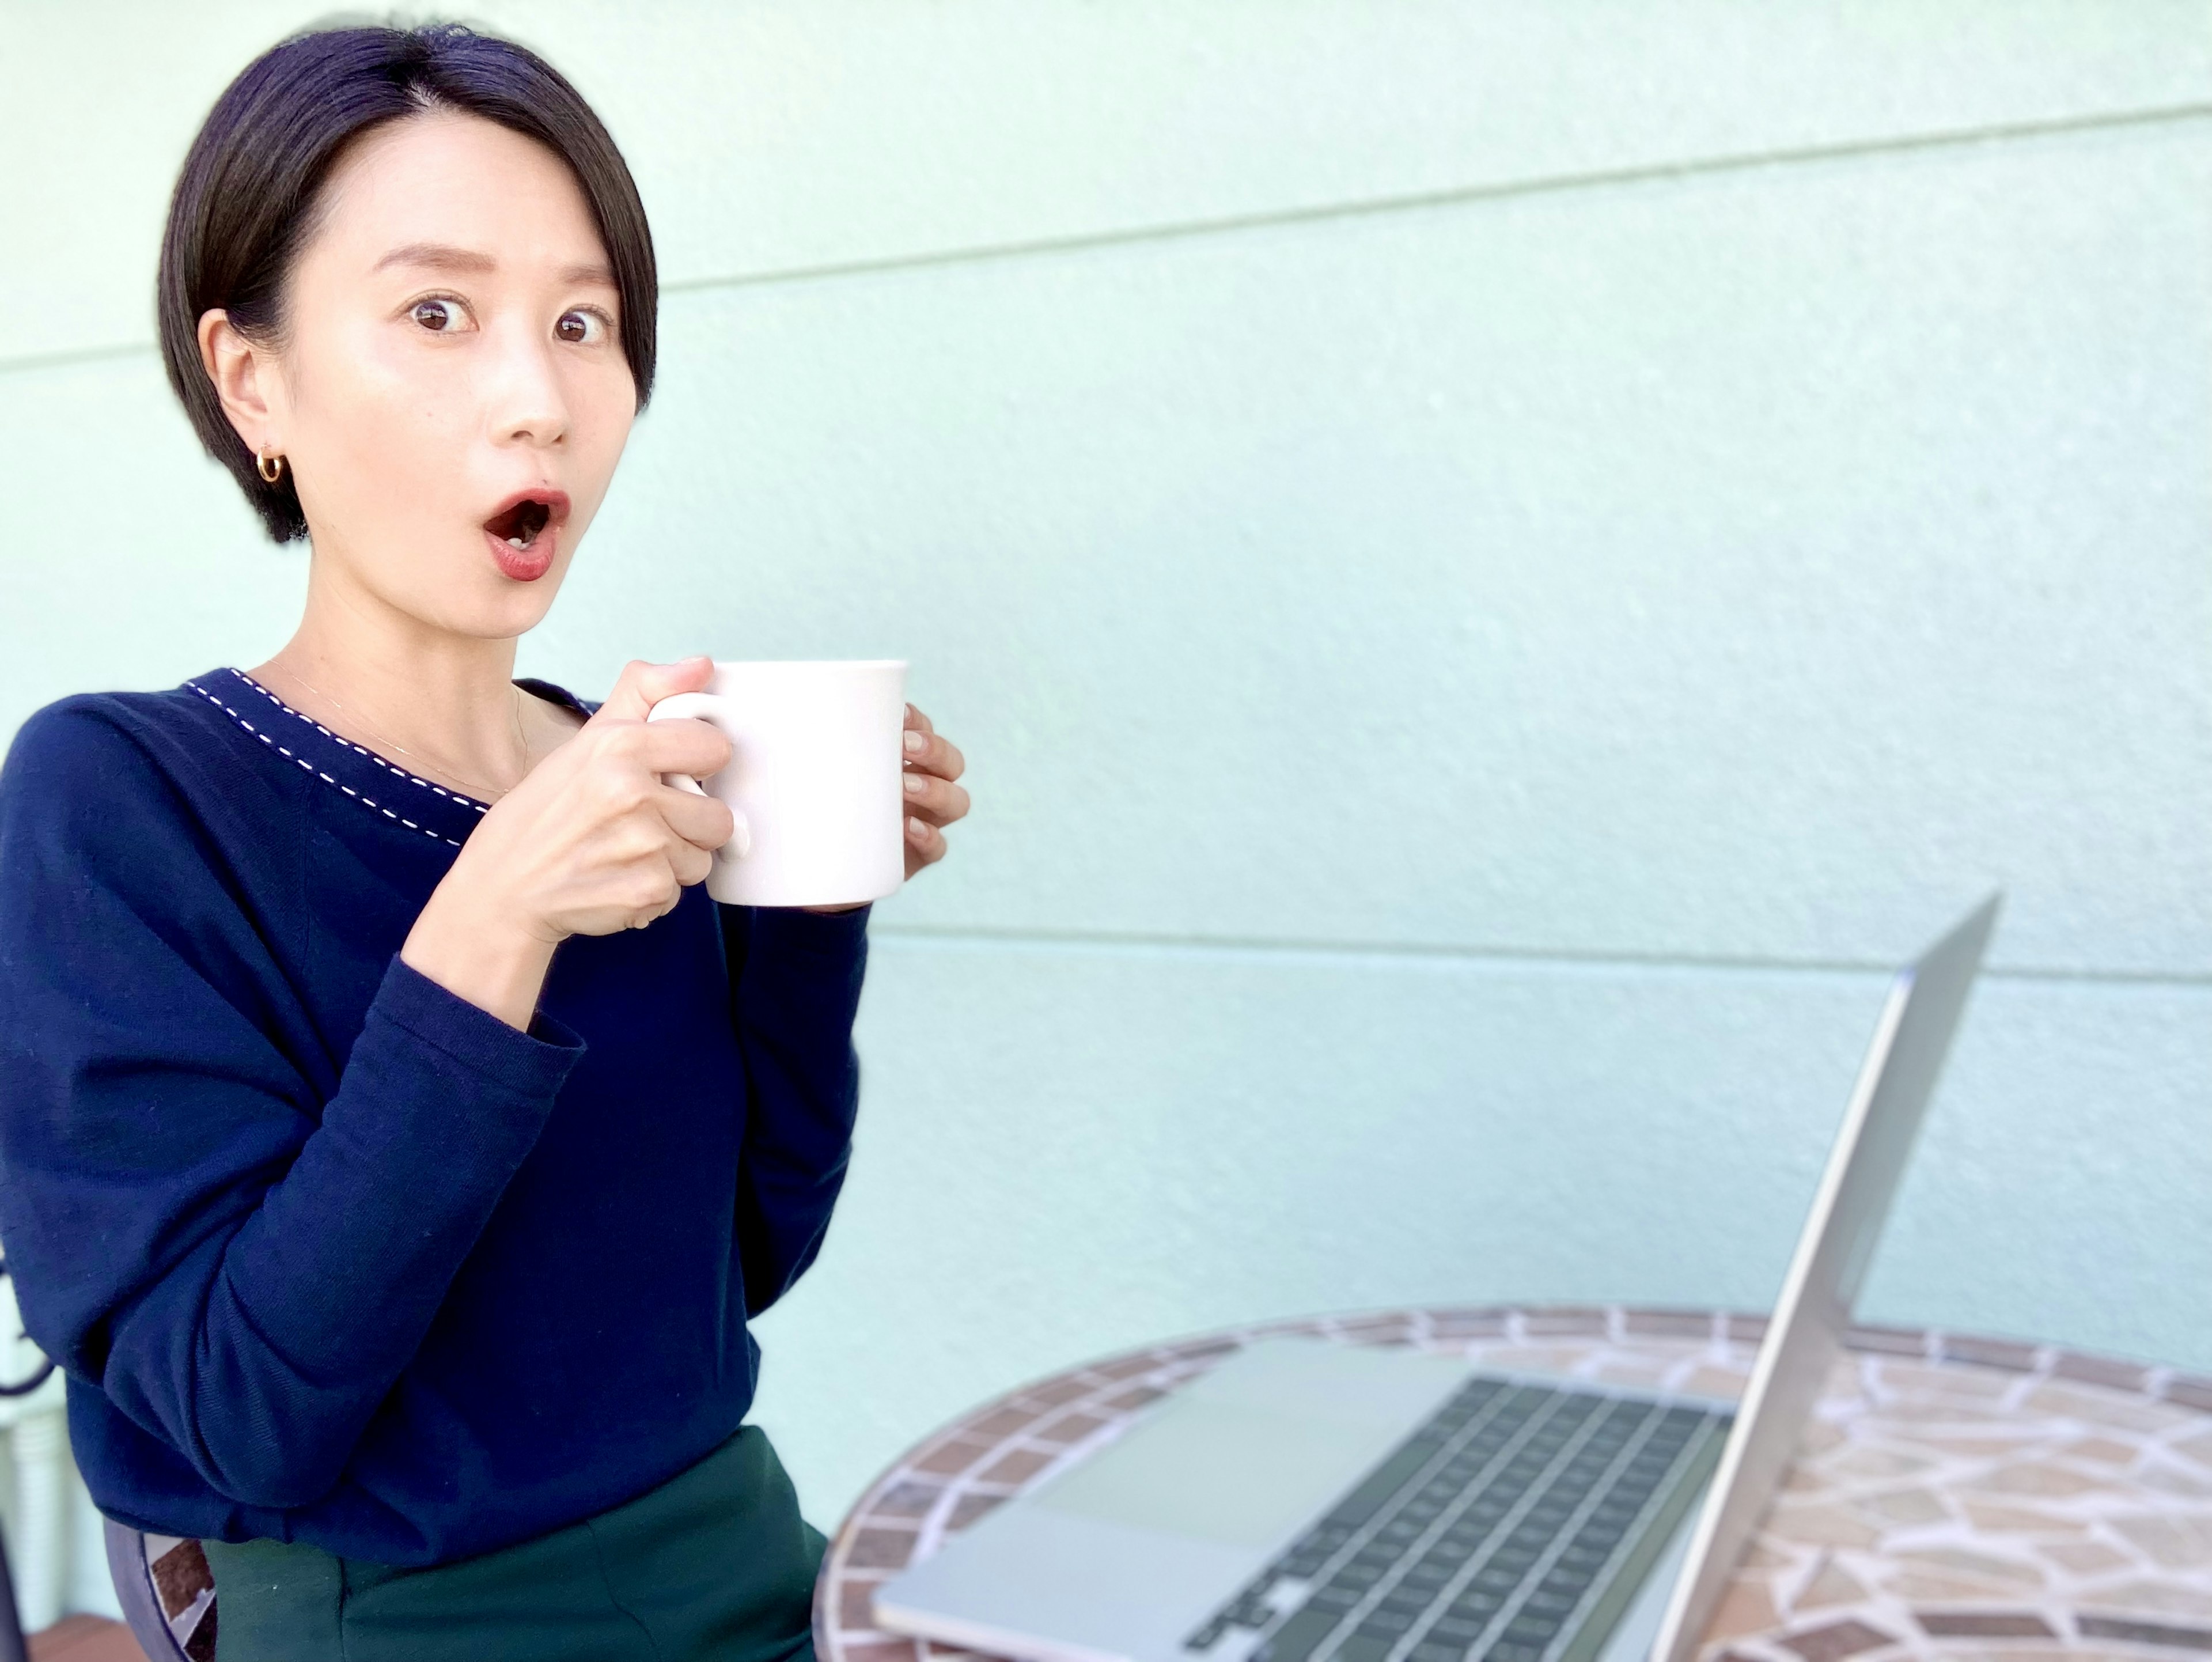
x=528, y=405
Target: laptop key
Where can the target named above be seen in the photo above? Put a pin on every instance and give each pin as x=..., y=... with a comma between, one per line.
x=1385, y=1481
x=1296, y=1640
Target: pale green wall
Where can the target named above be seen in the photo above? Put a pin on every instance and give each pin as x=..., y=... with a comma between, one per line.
x=1495, y=562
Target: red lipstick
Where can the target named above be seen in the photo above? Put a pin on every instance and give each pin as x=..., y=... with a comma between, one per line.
x=523, y=535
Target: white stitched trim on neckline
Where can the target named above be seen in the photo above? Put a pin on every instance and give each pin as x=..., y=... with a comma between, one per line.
x=339, y=739
x=302, y=762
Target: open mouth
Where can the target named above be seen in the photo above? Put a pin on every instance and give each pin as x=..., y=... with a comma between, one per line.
x=519, y=526
x=524, y=535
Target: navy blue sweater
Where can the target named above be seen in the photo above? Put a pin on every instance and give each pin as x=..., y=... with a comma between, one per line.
x=327, y=1253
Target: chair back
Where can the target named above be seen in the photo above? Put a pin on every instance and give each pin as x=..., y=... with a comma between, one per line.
x=12, y=1648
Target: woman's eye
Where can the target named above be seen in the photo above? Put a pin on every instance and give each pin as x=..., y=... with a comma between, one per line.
x=440, y=317
x=581, y=328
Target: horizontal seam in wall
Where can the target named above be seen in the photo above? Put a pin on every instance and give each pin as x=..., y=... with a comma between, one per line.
x=1362, y=208
x=75, y=354
x=1415, y=951
x=1466, y=195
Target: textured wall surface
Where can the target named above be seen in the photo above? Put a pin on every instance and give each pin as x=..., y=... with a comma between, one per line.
x=1496, y=564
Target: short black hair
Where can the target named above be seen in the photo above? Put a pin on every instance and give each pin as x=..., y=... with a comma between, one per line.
x=247, y=197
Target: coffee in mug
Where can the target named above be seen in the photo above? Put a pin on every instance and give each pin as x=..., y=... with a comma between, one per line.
x=814, y=779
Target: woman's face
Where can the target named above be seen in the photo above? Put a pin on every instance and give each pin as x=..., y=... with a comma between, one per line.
x=451, y=379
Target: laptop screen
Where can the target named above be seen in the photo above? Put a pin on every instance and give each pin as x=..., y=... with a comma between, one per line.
x=1811, y=1317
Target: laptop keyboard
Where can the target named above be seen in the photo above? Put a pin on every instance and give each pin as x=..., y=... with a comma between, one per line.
x=1511, y=1527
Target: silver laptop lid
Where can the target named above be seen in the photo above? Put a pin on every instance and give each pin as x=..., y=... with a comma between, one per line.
x=1887, y=1105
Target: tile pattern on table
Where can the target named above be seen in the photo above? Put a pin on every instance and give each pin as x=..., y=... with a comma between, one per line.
x=185, y=1587
x=1955, y=1496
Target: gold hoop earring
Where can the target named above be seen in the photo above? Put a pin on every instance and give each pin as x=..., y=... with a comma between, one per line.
x=272, y=468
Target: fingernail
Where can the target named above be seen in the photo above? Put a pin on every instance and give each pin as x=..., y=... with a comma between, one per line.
x=916, y=784
x=915, y=743
x=915, y=829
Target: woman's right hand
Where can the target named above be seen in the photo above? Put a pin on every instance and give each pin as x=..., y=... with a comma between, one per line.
x=590, y=843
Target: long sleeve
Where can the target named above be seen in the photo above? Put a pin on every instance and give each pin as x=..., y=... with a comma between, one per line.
x=795, y=977
x=239, y=1258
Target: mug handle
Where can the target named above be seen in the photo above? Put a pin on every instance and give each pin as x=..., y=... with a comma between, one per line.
x=701, y=705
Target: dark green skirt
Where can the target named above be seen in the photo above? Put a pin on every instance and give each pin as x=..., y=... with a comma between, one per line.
x=716, y=1565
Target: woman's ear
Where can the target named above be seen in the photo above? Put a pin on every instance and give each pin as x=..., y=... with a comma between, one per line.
x=246, y=380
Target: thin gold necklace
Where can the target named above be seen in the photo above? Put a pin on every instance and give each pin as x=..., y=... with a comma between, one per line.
x=489, y=794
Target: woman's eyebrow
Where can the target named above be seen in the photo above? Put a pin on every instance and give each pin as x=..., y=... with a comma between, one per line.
x=445, y=256
x=439, y=255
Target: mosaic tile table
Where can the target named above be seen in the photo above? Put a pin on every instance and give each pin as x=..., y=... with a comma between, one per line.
x=1955, y=1497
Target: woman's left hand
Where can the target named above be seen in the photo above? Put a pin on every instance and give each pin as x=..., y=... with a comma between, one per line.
x=932, y=800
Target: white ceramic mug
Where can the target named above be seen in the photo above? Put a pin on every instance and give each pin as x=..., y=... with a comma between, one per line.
x=814, y=780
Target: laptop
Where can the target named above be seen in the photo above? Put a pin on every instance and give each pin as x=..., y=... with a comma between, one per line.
x=1307, y=1502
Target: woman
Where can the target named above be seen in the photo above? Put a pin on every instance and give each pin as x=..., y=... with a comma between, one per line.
x=398, y=1138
